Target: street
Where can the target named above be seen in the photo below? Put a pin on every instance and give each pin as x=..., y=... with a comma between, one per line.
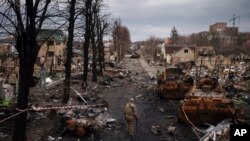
x=155, y=114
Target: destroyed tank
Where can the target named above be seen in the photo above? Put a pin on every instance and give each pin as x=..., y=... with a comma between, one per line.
x=206, y=103
x=173, y=84
x=200, y=110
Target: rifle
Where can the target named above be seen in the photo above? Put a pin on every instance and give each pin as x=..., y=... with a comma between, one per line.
x=136, y=121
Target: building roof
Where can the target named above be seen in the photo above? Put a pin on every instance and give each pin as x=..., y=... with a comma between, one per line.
x=51, y=34
x=206, y=47
x=77, y=44
x=170, y=49
x=77, y=51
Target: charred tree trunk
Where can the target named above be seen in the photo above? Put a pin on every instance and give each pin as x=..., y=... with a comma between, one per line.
x=101, y=56
x=98, y=29
x=102, y=25
x=93, y=44
x=69, y=52
x=51, y=66
x=27, y=62
x=94, y=62
x=26, y=45
x=87, y=36
x=26, y=24
x=26, y=71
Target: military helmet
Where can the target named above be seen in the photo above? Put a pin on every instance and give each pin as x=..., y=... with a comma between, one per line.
x=132, y=99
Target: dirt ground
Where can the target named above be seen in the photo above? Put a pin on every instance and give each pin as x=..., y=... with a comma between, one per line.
x=152, y=110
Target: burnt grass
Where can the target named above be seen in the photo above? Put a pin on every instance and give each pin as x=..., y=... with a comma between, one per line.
x=152, y=111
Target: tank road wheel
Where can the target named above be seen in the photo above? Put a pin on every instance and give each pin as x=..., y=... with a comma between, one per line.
x=71, y=125
x=80, y=131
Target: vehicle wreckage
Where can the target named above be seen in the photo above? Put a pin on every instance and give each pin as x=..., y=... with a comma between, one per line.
x=173, y=84
x=207, y=102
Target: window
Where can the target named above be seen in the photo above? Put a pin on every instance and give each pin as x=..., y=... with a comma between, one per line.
x=58, y=42
x=185, y=50
x=50, y=54
x=50, y=43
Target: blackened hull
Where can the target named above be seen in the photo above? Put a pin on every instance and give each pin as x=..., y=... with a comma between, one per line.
x=177, y=92
x=200, y=111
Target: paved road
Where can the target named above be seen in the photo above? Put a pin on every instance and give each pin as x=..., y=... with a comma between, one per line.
x=150, y=69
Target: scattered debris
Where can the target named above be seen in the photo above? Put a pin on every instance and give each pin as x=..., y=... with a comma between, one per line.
x=2, y=135
x=50, y=138
x=6, y=94
x=171, y=130
x=156, y=129
x=79, y=95
x=161, y=109
x=48, y=80
x=217, y=133
x=135, y=55
x=139, y=97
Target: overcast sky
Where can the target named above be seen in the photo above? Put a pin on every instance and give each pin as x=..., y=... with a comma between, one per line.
x=145, y=18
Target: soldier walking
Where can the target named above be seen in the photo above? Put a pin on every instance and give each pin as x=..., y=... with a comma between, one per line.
x=130, y=113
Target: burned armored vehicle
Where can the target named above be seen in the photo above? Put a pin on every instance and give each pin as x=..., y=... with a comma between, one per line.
x=173, y=84
x=207, y=103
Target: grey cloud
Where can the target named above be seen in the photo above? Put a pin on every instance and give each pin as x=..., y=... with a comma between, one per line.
x=187, y=15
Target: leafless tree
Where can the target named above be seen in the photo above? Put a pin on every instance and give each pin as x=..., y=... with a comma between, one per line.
x=200, y=39
x=102, y=26
x=124, y=40
x=115, y=35
x=24, y=20
x=87, y=12
x=95, y=11
x=150, y=49
x=72, y=17
x=121, y=39
x=95, y=28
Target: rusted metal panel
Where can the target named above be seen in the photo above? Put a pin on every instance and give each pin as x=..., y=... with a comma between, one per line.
x=173, y=90
x=201, y=107
x=173, y=85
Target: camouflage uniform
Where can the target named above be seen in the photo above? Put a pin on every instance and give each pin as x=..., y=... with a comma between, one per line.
x=130, y=113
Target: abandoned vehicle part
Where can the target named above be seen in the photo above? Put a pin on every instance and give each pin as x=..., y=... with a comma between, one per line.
x=173, y=90
x=172, y=84
x=71, y=125
x=80, y=131
x=202, y=110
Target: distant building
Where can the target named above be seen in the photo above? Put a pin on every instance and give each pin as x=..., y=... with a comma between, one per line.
x=108, y=55
x=52, y=44
x=8, y=63
x=178, y=53
x=218, y=27
x=227, y=36
x=53, y=47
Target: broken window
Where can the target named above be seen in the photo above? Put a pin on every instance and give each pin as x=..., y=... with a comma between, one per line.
x=50, y=43
x=50, y=54
x=185, y=50
x=58, y=42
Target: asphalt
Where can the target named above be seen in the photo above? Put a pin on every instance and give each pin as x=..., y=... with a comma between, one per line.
x=150, y=68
